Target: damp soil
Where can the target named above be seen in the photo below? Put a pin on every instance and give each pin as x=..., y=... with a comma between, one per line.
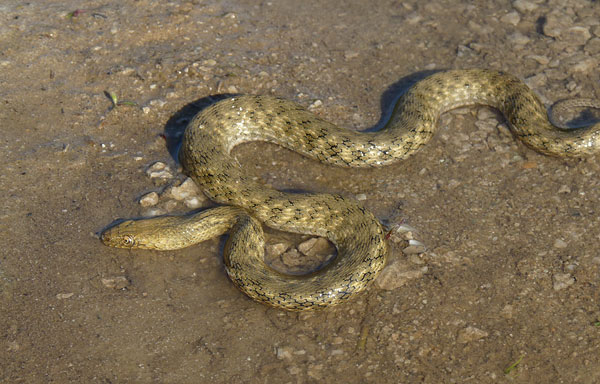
x=507, y=291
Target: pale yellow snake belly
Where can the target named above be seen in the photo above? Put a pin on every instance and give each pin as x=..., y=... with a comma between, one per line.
x=356, y=233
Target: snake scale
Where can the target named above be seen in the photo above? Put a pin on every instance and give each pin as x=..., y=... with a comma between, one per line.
x=358, y=236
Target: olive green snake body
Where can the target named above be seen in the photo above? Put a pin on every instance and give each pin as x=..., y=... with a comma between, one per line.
x=358, y=236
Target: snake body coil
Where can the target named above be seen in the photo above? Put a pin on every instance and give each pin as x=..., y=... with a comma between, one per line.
x=356, y=233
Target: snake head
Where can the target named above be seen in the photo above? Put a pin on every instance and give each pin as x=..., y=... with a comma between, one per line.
x=158, y=233
x=121, y=235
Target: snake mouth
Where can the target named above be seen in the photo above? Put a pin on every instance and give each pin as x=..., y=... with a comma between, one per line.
x=118, y=241
x=107, y=239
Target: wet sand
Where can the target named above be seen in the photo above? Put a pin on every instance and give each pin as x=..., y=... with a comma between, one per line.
x=511, y=273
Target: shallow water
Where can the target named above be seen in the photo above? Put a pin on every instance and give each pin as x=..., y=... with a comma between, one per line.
x=513, y=236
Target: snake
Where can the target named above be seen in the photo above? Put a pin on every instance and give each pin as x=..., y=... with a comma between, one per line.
x=245, y=203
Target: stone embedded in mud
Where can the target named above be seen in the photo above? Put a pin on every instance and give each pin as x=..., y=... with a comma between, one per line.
x=117, y=282
x=470, y=334
x=160, y=171
x=192, y=202
x=149, y=199
x=561, y=281
x=512, y=18
x=396, y=275
x=284, y=353
x=524, y=6
x=293, y=258
x=186, y=189
x=560, y=244
x=317, y=246
x=275, y=250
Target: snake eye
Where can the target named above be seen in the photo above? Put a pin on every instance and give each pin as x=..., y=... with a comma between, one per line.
x=129, y=241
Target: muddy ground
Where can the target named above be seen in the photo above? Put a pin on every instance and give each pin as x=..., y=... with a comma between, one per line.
x=508, y=290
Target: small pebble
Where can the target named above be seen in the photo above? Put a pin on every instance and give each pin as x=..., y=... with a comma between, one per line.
x=186, y=189
x=316, y=246
x=350, y=54
x=315, y=104
x=560, y=244
x=284, y=353
x=585, y=65
x=562, y=280
x=593, y=46
x=292, y=258
x=157, y=103
x=470, y=334
x=62, y=296
x=485, y=114
x=159, y=170
x=577, y=35
x=154, y=211
x=149, y=199
x=170, y=205
x=518, y=38
x=512, y=18
x=117, y=282
x=193, y=202
x=294, y=370
x=275, y=250
x=396, y=275
x=564, y=189
x=507, y=311
x=524, y=6
x=361, y=197
x=544, y=60
x=315, y=371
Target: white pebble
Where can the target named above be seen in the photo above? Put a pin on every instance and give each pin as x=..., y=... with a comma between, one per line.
x=470, y=334
x=117, y=282
x=350, y=54
x=192, y=202
x=560, y=244
x=149, y=199
x=315, y=104
x=316, y=246
x=511, y=18
x=274, y=250
x=187, y=189
x=564, y=189
x=284, y=353
x=562, y=281
x=524, y=6
x=396, y=275
x=159, y=170
x=518, y=38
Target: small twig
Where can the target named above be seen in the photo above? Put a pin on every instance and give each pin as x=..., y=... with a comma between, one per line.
x=511, y=367
x=115, y=100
